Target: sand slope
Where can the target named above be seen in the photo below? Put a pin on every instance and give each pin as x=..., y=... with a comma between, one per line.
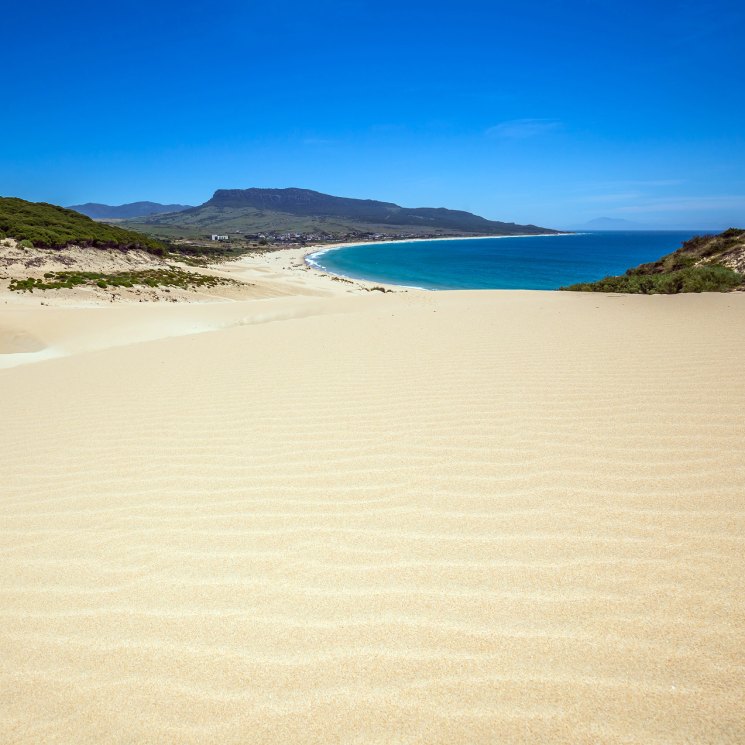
x=424, y=518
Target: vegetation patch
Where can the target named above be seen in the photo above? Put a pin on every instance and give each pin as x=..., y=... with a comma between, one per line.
x=697, y=266
x=42, y=225
x=708, y=278
x=194, y=254
x=171, y=277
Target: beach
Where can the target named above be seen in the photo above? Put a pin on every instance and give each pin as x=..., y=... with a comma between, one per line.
x=316, y=512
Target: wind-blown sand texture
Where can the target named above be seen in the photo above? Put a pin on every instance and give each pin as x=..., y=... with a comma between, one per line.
x=467, y=517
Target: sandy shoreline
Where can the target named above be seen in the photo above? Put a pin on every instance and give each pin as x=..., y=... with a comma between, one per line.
x=310, y=253
x=325, y=514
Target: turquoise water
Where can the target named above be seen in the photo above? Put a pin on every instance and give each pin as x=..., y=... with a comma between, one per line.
x=529, y=263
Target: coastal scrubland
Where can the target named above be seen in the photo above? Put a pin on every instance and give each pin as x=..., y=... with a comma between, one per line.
x=706, y=263
x=44, y=225
x=45, y=247
x=169, y=277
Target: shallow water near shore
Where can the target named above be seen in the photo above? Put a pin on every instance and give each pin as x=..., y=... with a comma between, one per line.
x=509, y=263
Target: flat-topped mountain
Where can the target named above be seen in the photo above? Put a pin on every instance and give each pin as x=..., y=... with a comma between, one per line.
x=312, y=203
x=125, y=211
x=303, y=210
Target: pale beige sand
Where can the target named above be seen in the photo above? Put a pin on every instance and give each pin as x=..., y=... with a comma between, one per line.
x=270, y=274
x=413, y=518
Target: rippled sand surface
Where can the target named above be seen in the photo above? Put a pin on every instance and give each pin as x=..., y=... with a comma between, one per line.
x=430, y=518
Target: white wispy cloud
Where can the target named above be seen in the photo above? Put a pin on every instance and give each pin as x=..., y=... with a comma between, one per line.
x=520, y=129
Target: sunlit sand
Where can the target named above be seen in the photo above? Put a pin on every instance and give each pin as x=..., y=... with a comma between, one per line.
x=413, y=517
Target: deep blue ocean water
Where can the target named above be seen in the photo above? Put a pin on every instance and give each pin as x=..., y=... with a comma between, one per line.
x=530, y=263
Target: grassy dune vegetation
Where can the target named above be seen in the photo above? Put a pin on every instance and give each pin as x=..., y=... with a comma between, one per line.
x=147, y=278
x=48, y=226
x=706, y=263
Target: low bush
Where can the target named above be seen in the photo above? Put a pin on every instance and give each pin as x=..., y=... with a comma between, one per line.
x=706, y=278
x=148, y=278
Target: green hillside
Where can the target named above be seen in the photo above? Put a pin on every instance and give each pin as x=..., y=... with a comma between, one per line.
x=48, y=226
x=251, y=211
x=706, y=263
x=210, y=220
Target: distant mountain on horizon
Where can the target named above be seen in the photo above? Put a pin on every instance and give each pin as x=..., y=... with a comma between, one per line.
x=303, y=210
x=612, y=223
x=125, y=211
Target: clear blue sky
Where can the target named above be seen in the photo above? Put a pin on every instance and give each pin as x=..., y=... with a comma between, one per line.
x=545, y=112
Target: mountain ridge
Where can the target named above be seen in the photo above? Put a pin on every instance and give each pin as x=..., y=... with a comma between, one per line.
x=305, y=210
x=99, y=211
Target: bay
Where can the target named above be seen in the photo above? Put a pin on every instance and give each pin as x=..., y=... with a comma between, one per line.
x=514, y=263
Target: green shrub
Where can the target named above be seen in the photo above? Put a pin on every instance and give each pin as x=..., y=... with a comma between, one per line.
x=25, y=243
x=706, y=278
x=48, y=226
x=171, y=277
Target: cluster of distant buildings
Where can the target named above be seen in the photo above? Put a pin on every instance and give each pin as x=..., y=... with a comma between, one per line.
x=302, y=238
x=276, y=237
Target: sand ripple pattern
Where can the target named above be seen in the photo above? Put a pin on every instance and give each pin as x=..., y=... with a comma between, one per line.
x=445, y=518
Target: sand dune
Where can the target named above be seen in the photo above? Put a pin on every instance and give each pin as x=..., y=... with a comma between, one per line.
x=17, y=341
x=479, y=517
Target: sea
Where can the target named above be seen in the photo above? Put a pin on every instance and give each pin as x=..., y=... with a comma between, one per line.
x=544, y=262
